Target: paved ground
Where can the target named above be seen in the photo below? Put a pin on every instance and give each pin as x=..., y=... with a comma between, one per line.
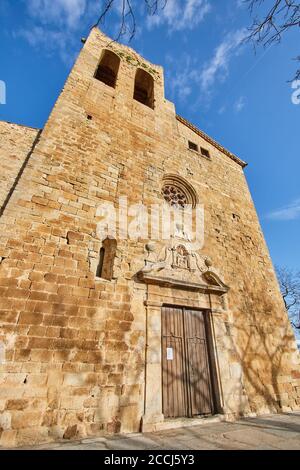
x=267, y=432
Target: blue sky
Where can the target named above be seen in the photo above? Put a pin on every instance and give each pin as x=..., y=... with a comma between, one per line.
x=240, y=98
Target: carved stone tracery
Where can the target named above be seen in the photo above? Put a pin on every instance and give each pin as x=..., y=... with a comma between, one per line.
x=174, y=196
x=178, y=192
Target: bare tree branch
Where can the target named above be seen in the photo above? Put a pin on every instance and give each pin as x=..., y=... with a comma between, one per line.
x=271, y=19
x=276, y=20
x=128, y=9
x=289, y=282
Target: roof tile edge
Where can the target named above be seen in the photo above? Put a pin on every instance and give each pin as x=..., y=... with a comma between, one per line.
x=21, y=125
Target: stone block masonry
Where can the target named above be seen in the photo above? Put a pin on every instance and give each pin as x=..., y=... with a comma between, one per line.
x=16, y=144
x=79, y=354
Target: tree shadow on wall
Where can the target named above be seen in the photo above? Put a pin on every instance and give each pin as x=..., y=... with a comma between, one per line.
x=262, y=346
x=262, y=342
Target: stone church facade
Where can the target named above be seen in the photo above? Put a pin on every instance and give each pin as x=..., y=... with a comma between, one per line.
x=124, y=334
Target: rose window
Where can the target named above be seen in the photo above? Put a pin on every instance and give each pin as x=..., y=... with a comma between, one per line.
x=177, y=192
x=175, y=196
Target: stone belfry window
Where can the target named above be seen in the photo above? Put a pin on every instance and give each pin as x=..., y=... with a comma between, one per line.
x=144, y=88
x=108, y=68
x=178, y=192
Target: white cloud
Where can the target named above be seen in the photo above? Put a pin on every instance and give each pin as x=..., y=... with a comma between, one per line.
x=289, y=212
x=181, y=88
x=181, y=77
x=222, y=110
x=50, y=40
x=217, y=67
x=186, y=75
x=55, y=25
x=58, y=12
x=181, y=14
x=40, y=36
x=239, y=104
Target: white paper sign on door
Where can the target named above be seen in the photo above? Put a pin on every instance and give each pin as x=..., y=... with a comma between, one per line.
x=170, y=354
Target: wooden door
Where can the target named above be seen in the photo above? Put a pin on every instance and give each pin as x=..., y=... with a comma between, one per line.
x=187, y=385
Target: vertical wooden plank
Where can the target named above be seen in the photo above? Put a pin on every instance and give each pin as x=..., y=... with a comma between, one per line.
x=183, y=367
x=188, y=387
x=163, y=361
x=172, y=364
x=176, y=364
x=212, y=362
x=200, y=381
x=173, y=384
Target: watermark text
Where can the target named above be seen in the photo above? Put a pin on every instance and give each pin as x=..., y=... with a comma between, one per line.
x=2, y=92
x=154, y=222
x=296, y=93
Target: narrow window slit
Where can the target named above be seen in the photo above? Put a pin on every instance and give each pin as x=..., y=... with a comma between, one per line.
x=107, y=256
x=101, y=261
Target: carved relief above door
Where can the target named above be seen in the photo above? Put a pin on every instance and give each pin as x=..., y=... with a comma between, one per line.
x=177, y=265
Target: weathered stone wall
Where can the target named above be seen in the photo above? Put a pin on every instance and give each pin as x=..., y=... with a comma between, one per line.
x=72, y=348
x=15, y=144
